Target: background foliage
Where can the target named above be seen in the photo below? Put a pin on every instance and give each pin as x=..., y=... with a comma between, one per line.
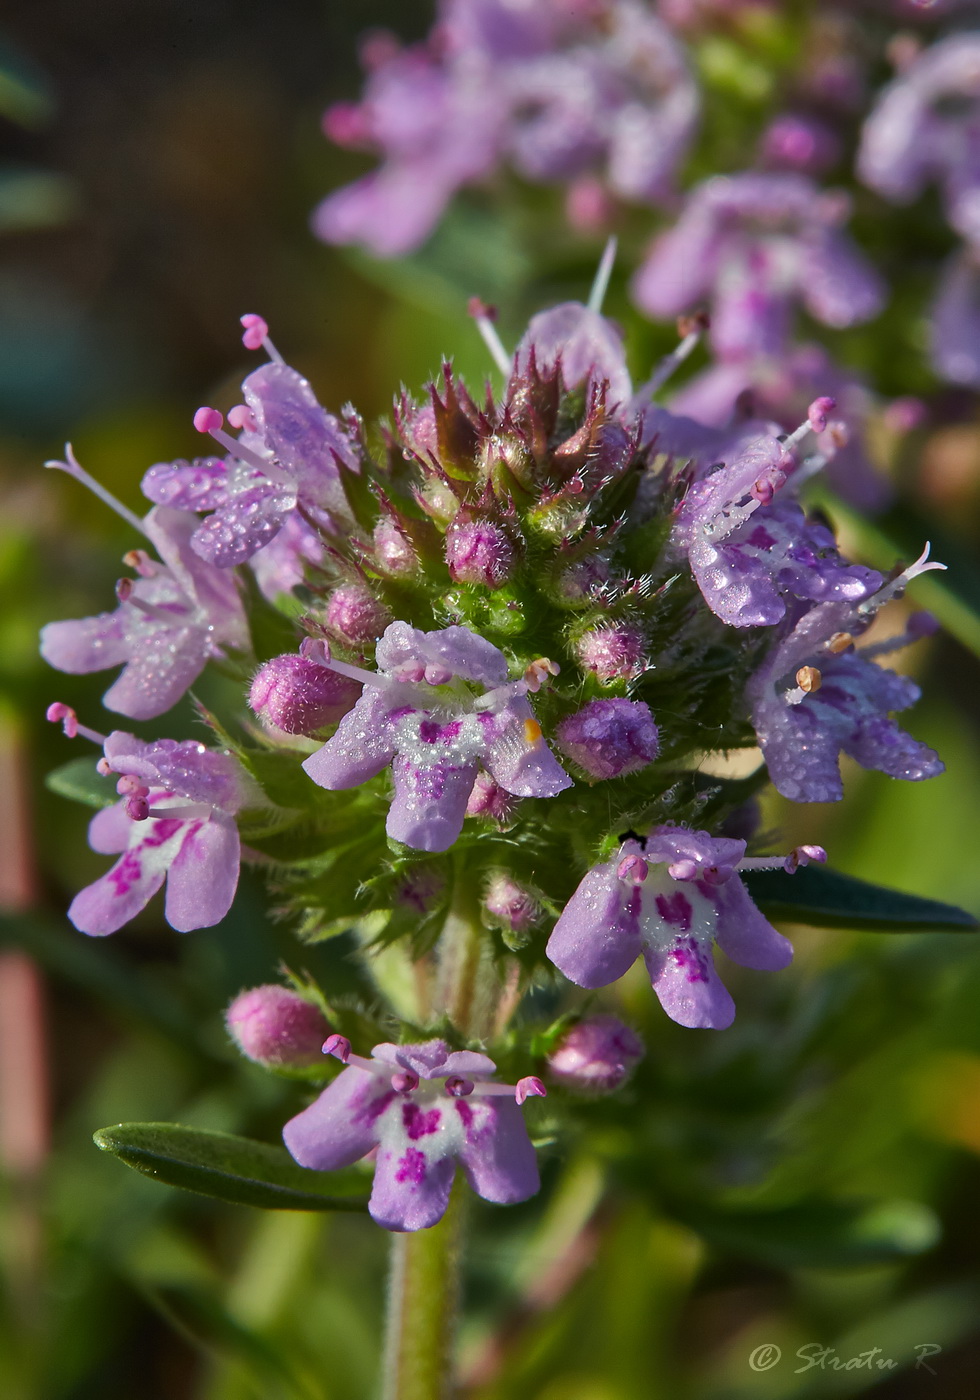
x=810, y=1175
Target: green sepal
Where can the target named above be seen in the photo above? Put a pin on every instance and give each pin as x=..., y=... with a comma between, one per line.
x=828, y=899
x=229, y=1168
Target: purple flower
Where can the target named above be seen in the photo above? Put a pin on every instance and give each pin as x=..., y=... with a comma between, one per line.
x=175, y=823
x=753, y=245
x=668, y=898
x=954, y=328
x=924, y=127
x=171, y=619
x=284, y=562
x=746, y=554
x=424, y=1107
x=586, y=346
x=610, y=738
x=285, y=460
x=816, y=697
x=595, y=1056
x=560, y=91
x=438, y=706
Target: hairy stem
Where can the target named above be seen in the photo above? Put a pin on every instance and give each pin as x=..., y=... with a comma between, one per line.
x=468, y=986
x=423, y=1298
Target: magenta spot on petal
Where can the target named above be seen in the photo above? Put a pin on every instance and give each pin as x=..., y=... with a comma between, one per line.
x=688, y=956
x=465, y=1112
x=125, y=873
x=371, y=1111
x=418, y=1123
x=400, y=713
x=429, y=731
x=411, y=1168
x=675, y=909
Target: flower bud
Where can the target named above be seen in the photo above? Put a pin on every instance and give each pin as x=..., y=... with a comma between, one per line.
x=582, y=578
x=608, y=738
x=355, y=613
x=298, y=695
x=393, y=550
x=489, y=799
x=511, y=904
x=277, y=1027
x=596, y=1055
x=478, y=551
x=612, y=652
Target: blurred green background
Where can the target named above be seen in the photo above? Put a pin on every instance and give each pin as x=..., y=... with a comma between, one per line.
x=809, y=1176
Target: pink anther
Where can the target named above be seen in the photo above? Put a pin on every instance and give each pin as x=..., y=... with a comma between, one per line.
x=633, y=868
x=458, y=1088
x=208, y=420
x=404, y=1081
x=818, y=411
x=529, y=1087
x=256, y=331
x=65, y=715
x=438, y=675
x=241, y=416
x=338, y=1046
x=137, y=808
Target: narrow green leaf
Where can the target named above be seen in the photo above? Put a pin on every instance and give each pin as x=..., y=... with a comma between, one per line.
x=79, y=780
x=828, y=899
x=821, y=1234
x=231, y=1168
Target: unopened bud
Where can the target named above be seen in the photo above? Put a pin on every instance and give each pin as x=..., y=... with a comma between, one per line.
x=356, y=614
x=393, y=550
x=613, y=652
x=608, y=738
x=510, y=904
x=277, y=1027
x=489, y=799
x=299, y=695
x=596, y=1056
x=478, y=551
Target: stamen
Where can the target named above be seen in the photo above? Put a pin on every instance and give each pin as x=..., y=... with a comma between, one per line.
x=799, y=855
x=603, y=273
x=338, y=1046
x=72, y=468
x=405, y=1081
x=683, y=870
x=437, y=675
x=139, y=560
x=459, y=1088
x=690, y=329
x=839, y=642
x=538, y=672
x=137, y=808
x=241, y=416
x=529, y=1087
x=66, y=716
x=484, y=317
x=125, y=594
x=633, y=868
x=717, y=874
x=190, y=811
x=809, y=679
x=256, y=337
x=209, y=420
x=817, y=412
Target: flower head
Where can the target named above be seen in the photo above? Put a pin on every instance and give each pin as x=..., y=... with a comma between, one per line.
x=421, y=714
x=668, y=898
x=424, y=1107
x=174, y=616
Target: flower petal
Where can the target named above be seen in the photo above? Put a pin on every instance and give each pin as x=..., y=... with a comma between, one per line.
x=597, y=937
x=497, y=1155
x=340, y=1126
x=411, y=1190
x=429, y=804
x=362, y=746
x=86, y=644
x=103, y=907
x=203, y=877
x=687, y=985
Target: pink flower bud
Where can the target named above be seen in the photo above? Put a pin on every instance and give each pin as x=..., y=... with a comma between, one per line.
x=608, y=738
x=299, y=695
x=478, y=551
x=277, y=1027
x=596, y=1056
x=489, y=799
x=612, y=652
x=583, y=577
x=511, y=904
x=589, y=207
x=393, y=550
x=356, y=614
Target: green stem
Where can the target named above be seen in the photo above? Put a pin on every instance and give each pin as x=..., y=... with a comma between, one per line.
x=467, y=983
x=423, y=1300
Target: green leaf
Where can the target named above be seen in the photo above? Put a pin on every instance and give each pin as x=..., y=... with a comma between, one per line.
x=231, y=1168
x=821, y=1234
x=828, y=899
x=80, y=780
